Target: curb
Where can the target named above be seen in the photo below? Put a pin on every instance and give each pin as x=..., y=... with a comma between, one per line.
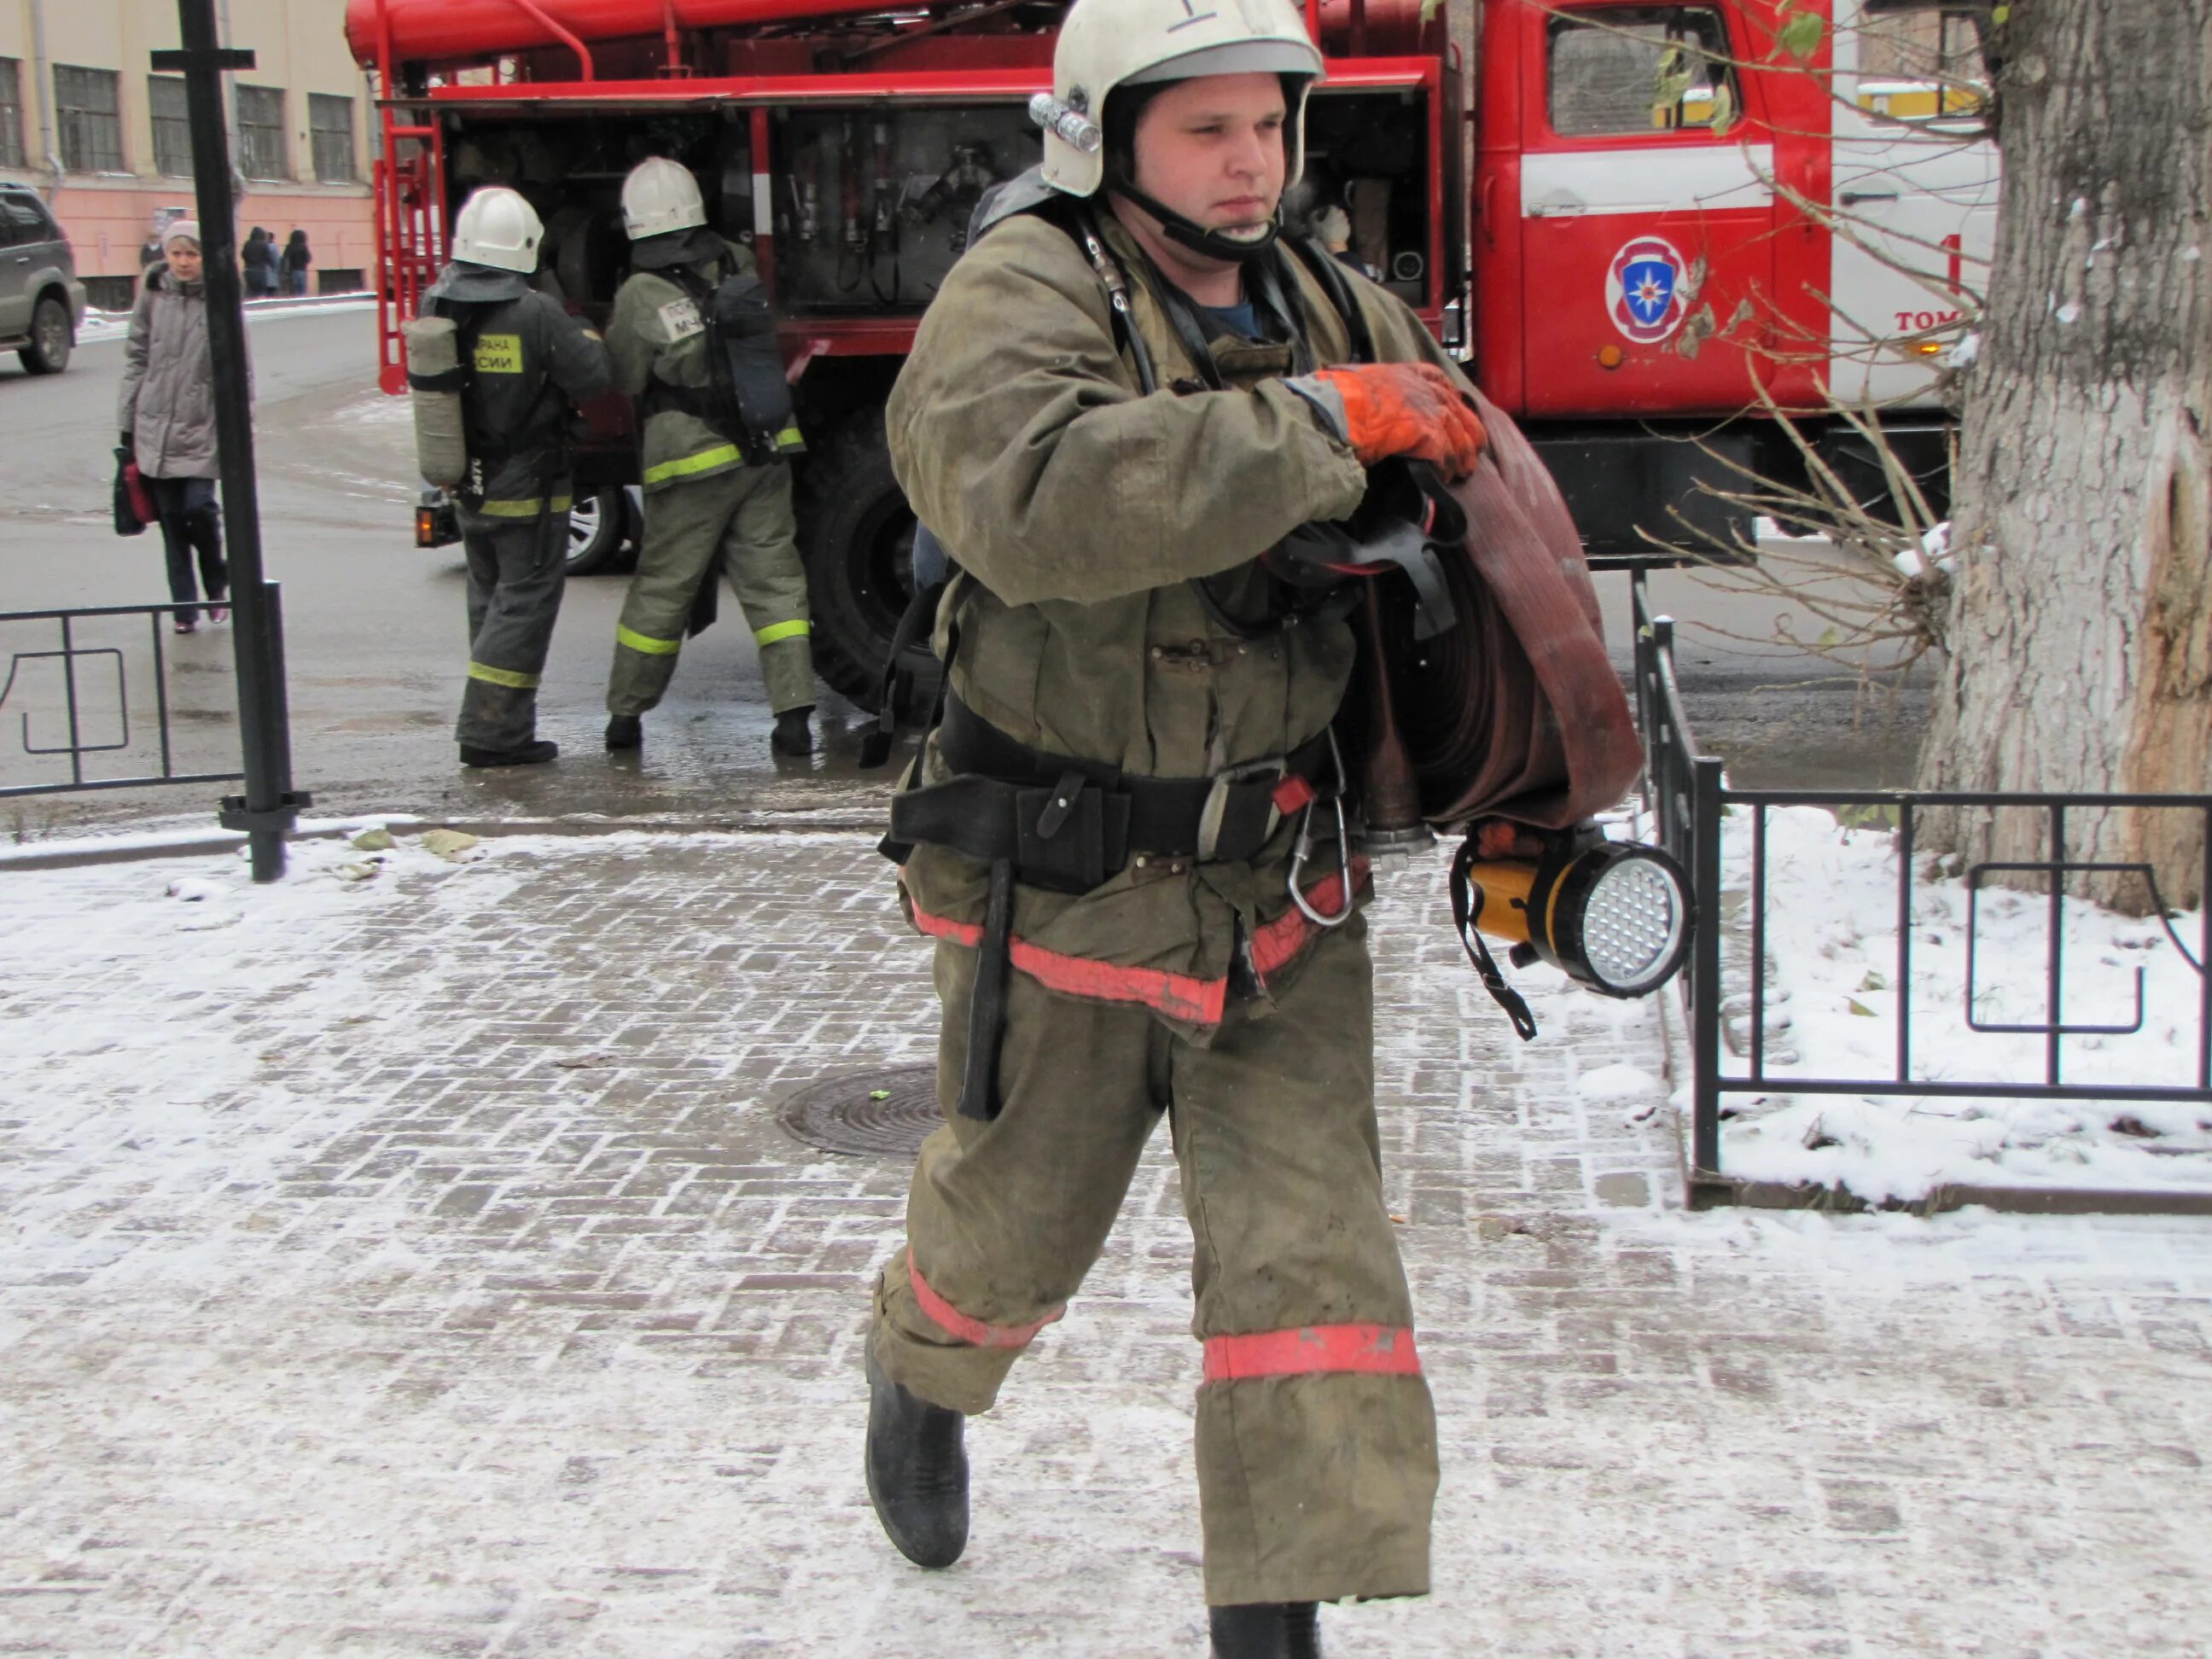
x=314, y=301
x=88, y=854
x=299, y=303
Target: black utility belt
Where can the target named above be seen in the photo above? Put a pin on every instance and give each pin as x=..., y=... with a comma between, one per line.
x=1067, y=825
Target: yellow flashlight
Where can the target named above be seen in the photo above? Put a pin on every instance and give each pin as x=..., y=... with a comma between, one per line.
x=1614, y=916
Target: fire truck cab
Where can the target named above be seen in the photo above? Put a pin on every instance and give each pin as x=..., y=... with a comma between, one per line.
x=1641, y=224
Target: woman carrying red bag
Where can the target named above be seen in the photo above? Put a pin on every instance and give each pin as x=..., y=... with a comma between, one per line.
x=167, y=413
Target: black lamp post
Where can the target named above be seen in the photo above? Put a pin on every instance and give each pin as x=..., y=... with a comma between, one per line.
x=269, y=805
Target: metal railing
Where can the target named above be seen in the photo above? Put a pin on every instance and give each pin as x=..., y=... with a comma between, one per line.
x=1688, y=798
x=98, y=728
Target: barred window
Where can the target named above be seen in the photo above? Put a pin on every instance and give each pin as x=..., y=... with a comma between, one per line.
x=329, y=122
x=11, y=112
x=172, y=126
x=262, y=151
x=86, y=112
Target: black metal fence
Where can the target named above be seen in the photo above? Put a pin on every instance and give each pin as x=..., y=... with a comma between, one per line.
x=92, y=715
x=1688, y=798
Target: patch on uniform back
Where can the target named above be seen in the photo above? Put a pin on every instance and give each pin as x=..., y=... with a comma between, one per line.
x=499, y=354
x=681, y=319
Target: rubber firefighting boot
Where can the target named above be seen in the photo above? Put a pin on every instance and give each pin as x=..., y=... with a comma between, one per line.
x=1265, y=1630
x=625, y=731
x=917, y=1471
x=792, y=735
x=530, y=754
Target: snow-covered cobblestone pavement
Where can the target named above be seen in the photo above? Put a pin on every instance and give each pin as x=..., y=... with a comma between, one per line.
x=406, y=1261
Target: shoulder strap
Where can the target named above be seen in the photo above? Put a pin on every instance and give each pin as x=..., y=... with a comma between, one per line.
x=1321, y=265
x=1086, y=232
x=1467, y=913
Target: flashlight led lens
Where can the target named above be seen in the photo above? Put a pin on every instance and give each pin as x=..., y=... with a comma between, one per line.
x=1632, y=926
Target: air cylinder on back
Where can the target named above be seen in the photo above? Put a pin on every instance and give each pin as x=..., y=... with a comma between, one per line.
x=434, y=382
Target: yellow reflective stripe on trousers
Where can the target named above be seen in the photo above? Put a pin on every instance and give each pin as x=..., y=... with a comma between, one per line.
x=776, y=631
x=644, y=644
x=790, y=441
x=704, y=461
x=528, y=509
x=507, y=677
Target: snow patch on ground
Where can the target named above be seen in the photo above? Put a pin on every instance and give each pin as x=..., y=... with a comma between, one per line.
x=374, y=409
x=1625, y=1085
x=1833, y=1011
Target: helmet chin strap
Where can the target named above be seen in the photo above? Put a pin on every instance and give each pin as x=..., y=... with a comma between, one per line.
x=1189, y=233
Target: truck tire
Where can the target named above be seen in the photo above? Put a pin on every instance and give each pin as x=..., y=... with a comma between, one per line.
x=596, y=525
x=51, y=339
x=856, y=537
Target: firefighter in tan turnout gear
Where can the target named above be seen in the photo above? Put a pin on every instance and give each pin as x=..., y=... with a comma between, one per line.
x=1128, y=390
x=524, y=364
x=717, y=479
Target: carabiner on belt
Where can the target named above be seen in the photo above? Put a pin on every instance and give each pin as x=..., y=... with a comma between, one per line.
x=1302, y=848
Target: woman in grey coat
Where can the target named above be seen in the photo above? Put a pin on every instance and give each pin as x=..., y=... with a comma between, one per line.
x=166, y=412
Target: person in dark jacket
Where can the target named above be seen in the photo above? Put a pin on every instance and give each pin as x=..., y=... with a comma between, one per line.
x=527, y=362
x=258, y=259
x=292, y=263
x=166, y=413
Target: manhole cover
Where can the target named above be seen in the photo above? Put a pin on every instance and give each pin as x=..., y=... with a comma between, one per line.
x=874, y=1113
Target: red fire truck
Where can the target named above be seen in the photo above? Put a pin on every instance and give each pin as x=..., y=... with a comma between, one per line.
x=1623, y=214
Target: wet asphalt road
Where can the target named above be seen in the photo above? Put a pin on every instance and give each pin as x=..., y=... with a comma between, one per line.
x=375, y=638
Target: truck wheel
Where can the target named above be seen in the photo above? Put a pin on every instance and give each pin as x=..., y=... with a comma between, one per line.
x=595, y=532
x=51, y=339
x=856, y=536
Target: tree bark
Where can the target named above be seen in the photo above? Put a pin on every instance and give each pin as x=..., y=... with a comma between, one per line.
x=2080, y=638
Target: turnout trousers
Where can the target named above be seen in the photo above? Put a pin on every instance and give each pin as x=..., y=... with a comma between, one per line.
x=739, y=523
x=1315, y=1436
x=517, y=558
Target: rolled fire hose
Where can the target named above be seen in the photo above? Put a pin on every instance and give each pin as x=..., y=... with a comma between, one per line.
x=1516, y=711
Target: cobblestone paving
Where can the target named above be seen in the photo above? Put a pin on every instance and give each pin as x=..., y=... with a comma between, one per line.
x=415, y=1269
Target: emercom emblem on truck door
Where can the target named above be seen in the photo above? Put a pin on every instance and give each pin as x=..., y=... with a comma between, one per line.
x=499, y=354
x=1643, y=290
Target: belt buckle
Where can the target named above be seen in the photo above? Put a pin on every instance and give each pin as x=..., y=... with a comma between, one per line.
x=1273, y=769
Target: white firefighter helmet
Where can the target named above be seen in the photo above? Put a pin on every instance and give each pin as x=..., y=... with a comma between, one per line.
x=497, y=228
x=660, y=196
x=1105, y=44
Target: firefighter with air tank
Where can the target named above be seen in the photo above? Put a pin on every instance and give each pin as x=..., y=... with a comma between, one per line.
x=1126, y=393
x=693, y=342
x=497, y=369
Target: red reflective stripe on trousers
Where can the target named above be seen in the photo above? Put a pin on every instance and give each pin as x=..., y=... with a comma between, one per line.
x=1179, y=996
x=1386, y=1350
x=974, y=1331
x=1279, y=942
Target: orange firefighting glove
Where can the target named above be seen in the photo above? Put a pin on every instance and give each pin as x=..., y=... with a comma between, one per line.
x=1406, y=408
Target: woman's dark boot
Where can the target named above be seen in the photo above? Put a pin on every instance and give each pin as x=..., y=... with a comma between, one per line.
x=1265, y=1630
x=917, y=1471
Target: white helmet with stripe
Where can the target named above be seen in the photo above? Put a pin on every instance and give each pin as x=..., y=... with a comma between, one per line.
x=1105, y=44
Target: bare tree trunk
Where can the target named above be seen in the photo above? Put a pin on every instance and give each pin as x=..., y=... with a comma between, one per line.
x=2080, y=640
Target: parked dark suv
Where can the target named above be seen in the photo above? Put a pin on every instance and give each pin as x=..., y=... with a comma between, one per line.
x=41, y=302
